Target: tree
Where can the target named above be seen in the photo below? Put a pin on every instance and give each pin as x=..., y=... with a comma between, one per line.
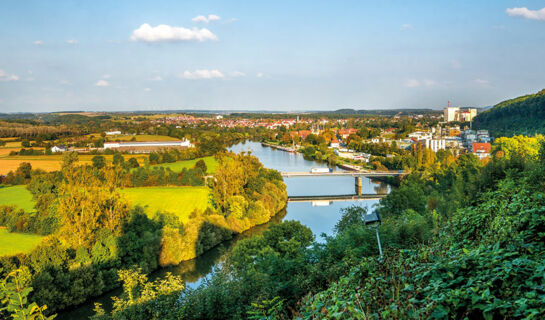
x=118, y=159
x=86, y=205
x=229, y=180
x=133, y=163
x=98, y=162
x=25, y=144
x=14, y=294
x=69, y=159
x=201, y=165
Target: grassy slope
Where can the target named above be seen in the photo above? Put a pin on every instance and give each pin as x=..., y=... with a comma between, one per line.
x=211, y=164
x=11, y=243
x=17, y=195
x=178, y=200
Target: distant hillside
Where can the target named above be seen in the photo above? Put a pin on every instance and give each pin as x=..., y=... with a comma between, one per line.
x=384, y=112
x=522, y=115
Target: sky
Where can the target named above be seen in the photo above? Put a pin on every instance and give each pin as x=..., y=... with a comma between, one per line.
x=267, y=55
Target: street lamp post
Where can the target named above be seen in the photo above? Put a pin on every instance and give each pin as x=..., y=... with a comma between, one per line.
x=373, y=220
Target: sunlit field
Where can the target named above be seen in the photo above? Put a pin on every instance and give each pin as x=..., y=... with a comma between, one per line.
x=178, y=200
x=18, y=196
x=177, y=166
x=53, y=162
x=14, y=242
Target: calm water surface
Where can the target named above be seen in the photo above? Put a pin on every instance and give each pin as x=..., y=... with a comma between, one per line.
x=319, y=216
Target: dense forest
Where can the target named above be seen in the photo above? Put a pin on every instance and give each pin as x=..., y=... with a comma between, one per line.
x=462, y=239
x=522, y=115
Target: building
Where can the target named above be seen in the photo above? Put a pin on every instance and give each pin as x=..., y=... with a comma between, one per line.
x=147, y=147
x=113, y=133
x=450, y=114
x=456, y=114
x=467, y=115
x=420, y=135
x=345, y=133
x=334, y=143
x=481, y=150
x=59, y=148
x=433, y=144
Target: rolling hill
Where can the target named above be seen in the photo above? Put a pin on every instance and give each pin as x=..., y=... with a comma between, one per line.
x=521, y=115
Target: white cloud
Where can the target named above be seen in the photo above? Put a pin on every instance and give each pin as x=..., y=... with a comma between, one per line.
x=406, y=26
x=64, y=82
x=235, y=74
x=102, y=83
x=72, y=41
x=147, y=89
x=204, y=19
x=165, y=33
x=38, y=42
x=412, y=83
x=259, y=75
x=4, y=76
x=482, y=82
x=203, y=74
x=106, y=76
x=156, y=78
x=526, y=13
x=1, y=101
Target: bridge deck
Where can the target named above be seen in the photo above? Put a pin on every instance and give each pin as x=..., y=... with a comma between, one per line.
x=336, y=197
x=344, y=174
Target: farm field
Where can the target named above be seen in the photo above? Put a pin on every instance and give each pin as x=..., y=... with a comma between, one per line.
x=178, y=200
x=13, y=242
x=52, y=162
x=17, y=195
x=177, y=166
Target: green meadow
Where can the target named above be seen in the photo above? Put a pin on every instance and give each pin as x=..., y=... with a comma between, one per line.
x=177, y=166
x=13, y=242
x=178, y=200
x=17, y=195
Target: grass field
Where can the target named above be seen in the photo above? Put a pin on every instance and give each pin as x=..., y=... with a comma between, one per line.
x=178, y=200
x=17, y=195
x=13, y=242
x=211, y=164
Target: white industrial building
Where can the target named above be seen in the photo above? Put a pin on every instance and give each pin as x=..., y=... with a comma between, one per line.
x=148, y=146
x=433, y=144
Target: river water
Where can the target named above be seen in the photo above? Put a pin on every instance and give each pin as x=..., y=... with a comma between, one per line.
x=319, y=216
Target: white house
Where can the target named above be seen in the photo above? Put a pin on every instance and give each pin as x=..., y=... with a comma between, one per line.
x=58, y=149
x=113, y=133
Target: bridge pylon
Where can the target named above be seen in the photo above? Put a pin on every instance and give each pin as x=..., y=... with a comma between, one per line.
x=357, y=185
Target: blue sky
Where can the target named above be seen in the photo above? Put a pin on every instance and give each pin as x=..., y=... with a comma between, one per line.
x=278, y=55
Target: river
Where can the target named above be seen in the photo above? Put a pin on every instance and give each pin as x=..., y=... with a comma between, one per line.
x=319, y=216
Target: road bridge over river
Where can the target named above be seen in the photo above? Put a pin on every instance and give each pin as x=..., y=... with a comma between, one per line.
x=342, y=197
x=368, y=174
x=358, y=184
